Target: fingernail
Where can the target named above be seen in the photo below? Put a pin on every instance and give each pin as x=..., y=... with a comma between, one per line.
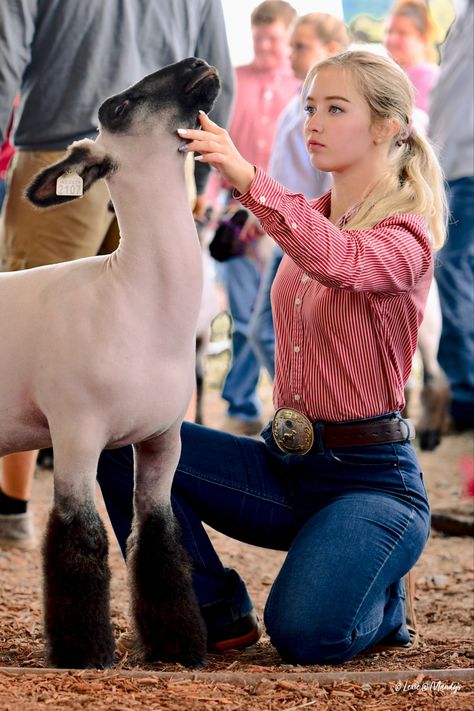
x=183, y=148
x=198, y=158
x=182, y=131
x=202, y=112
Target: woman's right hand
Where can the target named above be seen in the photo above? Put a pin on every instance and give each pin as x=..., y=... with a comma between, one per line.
x=216, y=148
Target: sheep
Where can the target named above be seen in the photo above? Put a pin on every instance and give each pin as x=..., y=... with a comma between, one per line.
x=435, y=394
x=114, y=367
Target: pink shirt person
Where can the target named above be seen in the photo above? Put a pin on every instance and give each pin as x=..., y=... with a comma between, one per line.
x=261, y=97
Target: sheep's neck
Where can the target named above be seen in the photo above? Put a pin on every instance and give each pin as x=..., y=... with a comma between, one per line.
x=158, y=239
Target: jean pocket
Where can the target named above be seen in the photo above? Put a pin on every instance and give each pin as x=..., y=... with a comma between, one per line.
x=374, y=455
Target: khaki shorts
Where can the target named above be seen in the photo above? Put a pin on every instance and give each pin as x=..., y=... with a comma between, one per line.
x=32, y=237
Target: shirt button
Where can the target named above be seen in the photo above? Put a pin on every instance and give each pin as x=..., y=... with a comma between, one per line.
x=294, y=225
x=262, y=199
x=296, y=397
x=305, y=277
x=296, y=349
x=298, y=301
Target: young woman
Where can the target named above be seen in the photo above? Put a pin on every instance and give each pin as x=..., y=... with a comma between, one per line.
x=335, y=481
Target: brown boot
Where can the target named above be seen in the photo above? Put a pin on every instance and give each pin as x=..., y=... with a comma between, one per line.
x=391, y=645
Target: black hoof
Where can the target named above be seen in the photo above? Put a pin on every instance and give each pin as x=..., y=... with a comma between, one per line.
x=168, y=620
x=76, y=592
x=429, y=440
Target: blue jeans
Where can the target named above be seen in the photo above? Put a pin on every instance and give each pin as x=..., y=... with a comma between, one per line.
x=3, y=192
x=455, y=277
x=354, y=522
x=261, y=330
x=241, y=277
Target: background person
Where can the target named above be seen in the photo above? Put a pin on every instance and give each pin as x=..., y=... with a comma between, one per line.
x=314, y=37
x=64, y=58
x=410, y=41
x=6, y=155
x=353, y=515
x=452, y=131
x=264, y=87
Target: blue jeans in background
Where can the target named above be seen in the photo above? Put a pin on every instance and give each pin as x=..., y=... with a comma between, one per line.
x=261, y=329
x=455, y=277
x=354, y=522
x=3, y=192
x=241, y=278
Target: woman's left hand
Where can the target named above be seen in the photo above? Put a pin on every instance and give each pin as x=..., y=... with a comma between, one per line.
x=216, y=147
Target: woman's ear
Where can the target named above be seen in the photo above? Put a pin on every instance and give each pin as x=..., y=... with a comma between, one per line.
x=384, y=130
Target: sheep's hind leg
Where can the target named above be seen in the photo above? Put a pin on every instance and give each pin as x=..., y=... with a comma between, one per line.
x=76, y=572
x=435, y=394
x=167, y=617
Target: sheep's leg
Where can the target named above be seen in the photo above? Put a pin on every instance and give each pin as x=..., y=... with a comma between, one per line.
x=201, y=352
x=76, y=571
x=435, y=393
x=166, y=613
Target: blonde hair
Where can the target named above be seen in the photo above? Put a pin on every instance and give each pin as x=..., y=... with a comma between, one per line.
x=415, y=182
x=326, y=28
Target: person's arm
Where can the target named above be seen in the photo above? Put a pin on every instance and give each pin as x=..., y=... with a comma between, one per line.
x=17, y=28
x=390, y=257
x=213, y=47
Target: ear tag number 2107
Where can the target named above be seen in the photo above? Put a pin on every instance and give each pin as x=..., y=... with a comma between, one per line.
x=69, y=184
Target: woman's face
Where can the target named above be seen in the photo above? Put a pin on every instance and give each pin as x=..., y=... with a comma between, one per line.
x=404, y=42
x=338, y=126
x=270, y=45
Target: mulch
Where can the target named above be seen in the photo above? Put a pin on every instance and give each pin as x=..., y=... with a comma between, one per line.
x=437, y=675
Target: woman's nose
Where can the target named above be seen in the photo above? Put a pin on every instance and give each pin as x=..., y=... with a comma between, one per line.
x=314, y=123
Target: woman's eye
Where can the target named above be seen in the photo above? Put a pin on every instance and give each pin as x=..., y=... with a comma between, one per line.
x=335, y=109
x=309, y=110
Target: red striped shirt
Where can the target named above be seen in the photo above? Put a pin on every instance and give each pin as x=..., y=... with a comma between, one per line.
x=347, y=304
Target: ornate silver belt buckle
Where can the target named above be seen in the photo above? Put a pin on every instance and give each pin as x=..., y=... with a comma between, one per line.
x=292, y=431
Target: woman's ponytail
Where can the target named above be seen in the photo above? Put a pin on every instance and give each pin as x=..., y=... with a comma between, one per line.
x=414, y=184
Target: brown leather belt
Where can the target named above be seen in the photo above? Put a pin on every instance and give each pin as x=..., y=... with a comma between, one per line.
x=293, y=432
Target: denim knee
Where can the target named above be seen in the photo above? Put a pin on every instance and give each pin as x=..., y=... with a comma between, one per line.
x=300, y=641
x=316, y=630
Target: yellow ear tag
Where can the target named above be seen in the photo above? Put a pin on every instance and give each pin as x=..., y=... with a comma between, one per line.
x=69, y=184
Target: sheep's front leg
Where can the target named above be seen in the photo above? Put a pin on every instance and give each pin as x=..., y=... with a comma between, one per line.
x=76, y=572
x=166, y=613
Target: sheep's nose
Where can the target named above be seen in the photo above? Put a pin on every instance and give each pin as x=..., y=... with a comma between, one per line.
x=196, y=63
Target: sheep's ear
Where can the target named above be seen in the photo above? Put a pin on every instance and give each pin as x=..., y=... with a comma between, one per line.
x=84, y=159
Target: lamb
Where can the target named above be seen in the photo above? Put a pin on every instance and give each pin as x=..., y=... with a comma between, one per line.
x=114, y=367
x=435, y=394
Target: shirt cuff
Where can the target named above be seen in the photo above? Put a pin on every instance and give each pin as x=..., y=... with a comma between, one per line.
x=263, y=196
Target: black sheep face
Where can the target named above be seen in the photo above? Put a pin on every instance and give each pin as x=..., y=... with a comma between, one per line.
x=172, y=95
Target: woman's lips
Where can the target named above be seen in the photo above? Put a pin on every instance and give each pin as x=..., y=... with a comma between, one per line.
x=315, y=145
